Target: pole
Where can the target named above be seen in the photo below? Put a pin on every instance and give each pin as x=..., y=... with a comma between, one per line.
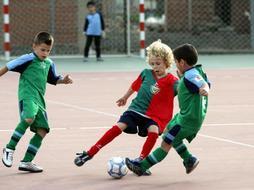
x=190, y=15
x=128, y=29
x=252, y=22
x=6, y=27
x=142, y=27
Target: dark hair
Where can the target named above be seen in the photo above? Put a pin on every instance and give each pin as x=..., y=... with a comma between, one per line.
x=43, y=38
x=90, y=3
x=187, y=52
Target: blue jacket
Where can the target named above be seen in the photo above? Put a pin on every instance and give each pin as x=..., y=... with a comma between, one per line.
x=94, y=24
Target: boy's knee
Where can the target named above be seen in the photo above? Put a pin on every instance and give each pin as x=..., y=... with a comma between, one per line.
x=29, y=120
x=42, y=132
x=171, y=134
x=153, y=129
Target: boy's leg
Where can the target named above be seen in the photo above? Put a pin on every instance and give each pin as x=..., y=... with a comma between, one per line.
x=33, y=147
x=17, y=134
x=87, y=46
x=156, y=156
x=41, y=128
x=152, y=136
x=97, y=43
x=190, y=162
x=181, y=150
x=11, y=146
x=104, y=140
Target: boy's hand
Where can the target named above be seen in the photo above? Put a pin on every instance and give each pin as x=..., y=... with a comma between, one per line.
x=204, y=91
x=122, y=101
x=67, y=80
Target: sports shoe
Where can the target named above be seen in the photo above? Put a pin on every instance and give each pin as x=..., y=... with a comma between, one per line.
x=7, y=157
x=85, y=59
x=191, y=164
x=30, y=167
x=99, y=59
x=82, y=158
x=147, y=172
x=134, y=167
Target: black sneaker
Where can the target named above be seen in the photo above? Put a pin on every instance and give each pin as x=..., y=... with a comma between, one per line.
x=134, y=167
x=82, y=158
x=147, y=172
x=191, y=164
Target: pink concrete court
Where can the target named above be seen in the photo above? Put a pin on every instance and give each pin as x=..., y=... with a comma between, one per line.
x=80, y=113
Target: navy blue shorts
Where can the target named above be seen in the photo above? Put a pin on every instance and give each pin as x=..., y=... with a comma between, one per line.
x=136, y=123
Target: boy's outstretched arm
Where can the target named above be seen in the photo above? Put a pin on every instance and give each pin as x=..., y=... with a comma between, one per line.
x=3, y=70
x=122, y=101
x=65, y=80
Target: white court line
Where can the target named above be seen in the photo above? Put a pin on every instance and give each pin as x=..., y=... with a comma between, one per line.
x=114, y=115
x=229, y=124
x=82, y=108
x=227, y=140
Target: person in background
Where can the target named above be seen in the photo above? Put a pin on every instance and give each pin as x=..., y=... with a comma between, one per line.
x=93, y=30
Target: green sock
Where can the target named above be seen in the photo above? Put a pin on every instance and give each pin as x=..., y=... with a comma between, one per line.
x=182, y=150
x=17, y=134
x=33, y=148
x=155, y=157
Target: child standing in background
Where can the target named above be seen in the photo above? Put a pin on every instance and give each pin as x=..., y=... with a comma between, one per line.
x=94, y=30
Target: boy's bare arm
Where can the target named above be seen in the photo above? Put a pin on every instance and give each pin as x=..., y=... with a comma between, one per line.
x=65, y=80
x=3, y=70
x=122, y=101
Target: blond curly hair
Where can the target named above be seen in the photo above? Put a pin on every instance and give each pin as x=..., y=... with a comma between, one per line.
x=161, y=50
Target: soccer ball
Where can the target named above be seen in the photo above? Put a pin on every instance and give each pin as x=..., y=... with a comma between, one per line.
x=117, y=167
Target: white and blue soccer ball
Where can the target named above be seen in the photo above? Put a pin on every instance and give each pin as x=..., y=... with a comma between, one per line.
x=117, y=167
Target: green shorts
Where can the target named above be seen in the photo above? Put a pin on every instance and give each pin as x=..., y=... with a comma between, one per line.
x=31, y=110
x=184, y=132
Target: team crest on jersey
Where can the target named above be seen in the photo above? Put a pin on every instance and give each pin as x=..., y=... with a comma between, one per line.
x=155, y=88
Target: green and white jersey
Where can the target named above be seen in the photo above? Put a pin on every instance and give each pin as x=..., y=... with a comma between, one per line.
x=34, y=74
x=193, y=106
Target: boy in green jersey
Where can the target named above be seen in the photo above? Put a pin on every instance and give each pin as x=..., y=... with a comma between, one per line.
x=35, y=69
x=193, y=92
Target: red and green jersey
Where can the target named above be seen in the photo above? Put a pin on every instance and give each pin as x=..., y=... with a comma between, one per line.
x=155, y=97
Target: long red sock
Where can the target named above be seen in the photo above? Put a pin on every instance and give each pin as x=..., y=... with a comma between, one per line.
x=105, y=139
x=149, y=144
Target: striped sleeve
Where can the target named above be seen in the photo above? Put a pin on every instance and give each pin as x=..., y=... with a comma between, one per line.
x=53, y=77
x=20, y=64
x=193, y=80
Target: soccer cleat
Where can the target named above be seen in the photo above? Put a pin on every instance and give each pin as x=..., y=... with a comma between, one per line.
x=82, y=158
x=30, y=167
x=134, y=167
x=147, y=172
x=7, y=157
x=191, y=164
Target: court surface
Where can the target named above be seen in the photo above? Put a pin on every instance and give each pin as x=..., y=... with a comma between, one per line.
x=80, y=113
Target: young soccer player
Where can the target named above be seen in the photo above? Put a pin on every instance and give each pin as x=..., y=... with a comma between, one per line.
x=35, y=69
x=150, y=110
x=193, y=92
x=93, y=29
